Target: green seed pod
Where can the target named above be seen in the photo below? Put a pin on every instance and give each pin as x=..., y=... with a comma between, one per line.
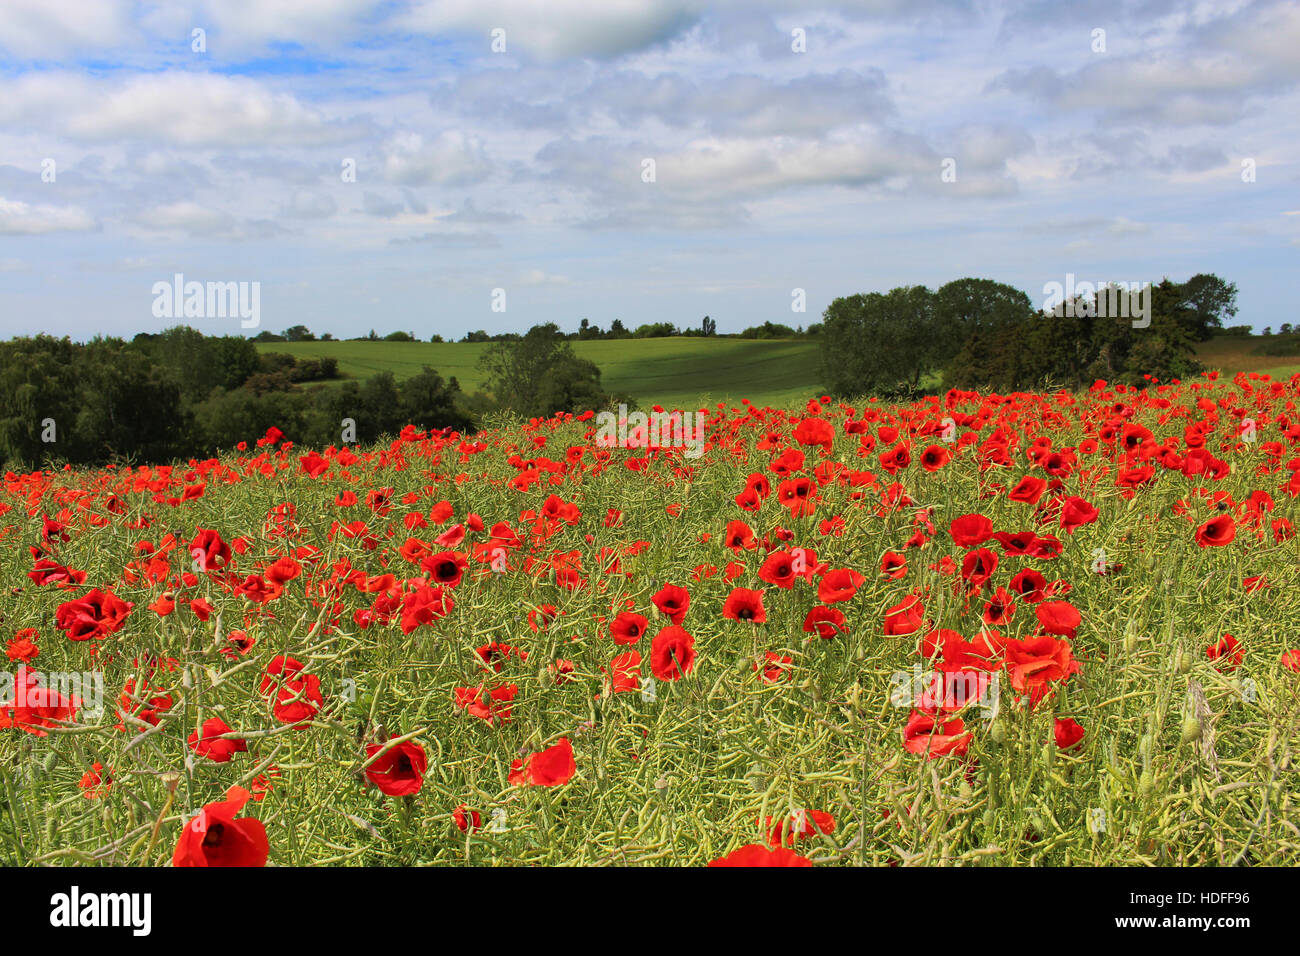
x=1184, y=662
x=1191, y=729
x=998, y=733
x=1146, y=784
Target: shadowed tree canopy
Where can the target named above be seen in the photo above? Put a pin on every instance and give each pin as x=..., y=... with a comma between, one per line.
x=882, y=343
x=539, y=374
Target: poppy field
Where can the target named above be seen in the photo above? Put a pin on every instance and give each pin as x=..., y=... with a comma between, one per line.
x=1032, y=629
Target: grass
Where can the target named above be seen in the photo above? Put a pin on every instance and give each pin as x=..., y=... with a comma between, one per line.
x=673, y=372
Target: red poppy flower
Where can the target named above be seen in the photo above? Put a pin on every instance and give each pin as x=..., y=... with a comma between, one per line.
x=1229, y=650
x=297, y=694
x=1075, y=513
x=32, y=706
x=1028, y=490
x=755, y=854
x=934, y=736
x=1067, y=732
x=744, y=604
x=839, y=585
x=467, y=820
x=22, y=647
x=51, y=572
x=96, y=615
x=552, y=767
x=1216, y=532
x=775, y=667
x=672, y=653
x=627, y=628
x=207, y=741
x=1058, y=617
x=971, y=530
x=935, y=457
x=399, y=770
x=209, y=551
x=1037, y=661
x=799, y=826
x=905, y=617
x=778, y=570
x=817, y=432
x=672, y=602
x=893, y=565
x=826, y=621
x=217, y=838
x=625, y=673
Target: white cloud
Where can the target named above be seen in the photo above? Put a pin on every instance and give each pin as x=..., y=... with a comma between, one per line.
x=40, y=28
x=173, y=107
x=18, y=218
x=452, y=158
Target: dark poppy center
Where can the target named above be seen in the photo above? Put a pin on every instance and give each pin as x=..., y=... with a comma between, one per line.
x=216, y=834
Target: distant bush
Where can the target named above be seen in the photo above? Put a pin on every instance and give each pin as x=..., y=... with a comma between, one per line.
x=769, y=330
x=654, y=330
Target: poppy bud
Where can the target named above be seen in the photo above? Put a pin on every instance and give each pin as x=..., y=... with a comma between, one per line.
x=1146, y=783
x=51, y=759
x=1191, y=729
x=998, y=733
x=1130, y=642
x=1184, y=662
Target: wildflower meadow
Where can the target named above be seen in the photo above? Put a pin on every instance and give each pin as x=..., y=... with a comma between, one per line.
x=1026, y=629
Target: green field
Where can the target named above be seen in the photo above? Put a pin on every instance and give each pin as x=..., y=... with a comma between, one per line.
x=669, y=371
x=678, y=372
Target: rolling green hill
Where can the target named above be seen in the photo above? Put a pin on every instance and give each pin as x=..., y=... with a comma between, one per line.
x=674, y=372
x=680, y=372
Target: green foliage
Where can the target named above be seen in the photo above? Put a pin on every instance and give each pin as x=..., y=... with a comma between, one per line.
x=539, y=374
x=882, y=343
x=654, y=330
x=769, y=330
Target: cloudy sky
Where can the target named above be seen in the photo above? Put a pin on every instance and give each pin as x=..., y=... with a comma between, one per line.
x=126, y=156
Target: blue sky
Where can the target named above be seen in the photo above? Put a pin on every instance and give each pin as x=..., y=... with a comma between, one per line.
x=522, y=170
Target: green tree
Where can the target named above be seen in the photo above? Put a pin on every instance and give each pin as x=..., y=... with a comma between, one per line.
x=428, y=402
x=880, y=343
x=981, y=322
x=539, y=374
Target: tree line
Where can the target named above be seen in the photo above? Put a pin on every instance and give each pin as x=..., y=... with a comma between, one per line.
x=587, y=331
x=981, y=334
x=182, y=394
